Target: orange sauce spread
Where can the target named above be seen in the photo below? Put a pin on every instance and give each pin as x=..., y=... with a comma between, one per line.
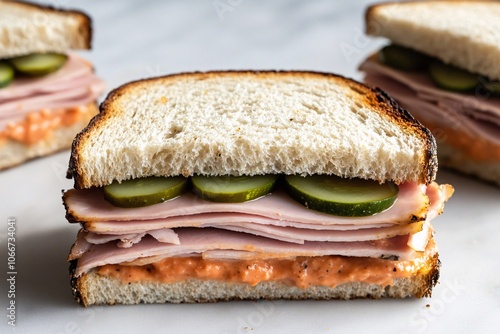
x=302, y=272
x=38, y=125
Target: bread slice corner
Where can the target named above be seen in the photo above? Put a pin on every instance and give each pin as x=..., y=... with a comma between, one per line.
x=461, y=33
x=33, y=28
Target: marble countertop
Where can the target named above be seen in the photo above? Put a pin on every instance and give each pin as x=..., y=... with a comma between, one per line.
x=138, y=39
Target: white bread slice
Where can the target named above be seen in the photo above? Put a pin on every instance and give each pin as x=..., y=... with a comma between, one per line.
x=13, y=152
x=461, y=33
x=93, y=289
x=232, y=123
x=28, y=28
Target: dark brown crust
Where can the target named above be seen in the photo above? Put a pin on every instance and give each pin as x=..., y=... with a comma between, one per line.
x=84, y=28
x=422, y=284
x=375, y=97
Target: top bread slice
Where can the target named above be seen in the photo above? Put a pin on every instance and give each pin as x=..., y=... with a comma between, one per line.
x=251, y=123
x=28, y=28
x=462, y=33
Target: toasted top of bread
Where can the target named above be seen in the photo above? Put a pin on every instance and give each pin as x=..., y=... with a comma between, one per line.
x=250, y=123
x=28, y=28
x=461, y=33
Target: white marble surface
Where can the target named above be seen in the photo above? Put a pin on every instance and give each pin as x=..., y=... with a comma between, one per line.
x=136, y=39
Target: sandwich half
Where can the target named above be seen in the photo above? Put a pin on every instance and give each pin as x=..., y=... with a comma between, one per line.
x=205, y=187
x=443, y=67
x=47, y=95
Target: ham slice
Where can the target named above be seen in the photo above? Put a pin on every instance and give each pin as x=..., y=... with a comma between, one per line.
x=199, y=241
x=165, y=235
x=89, y=205
x=73, y=85
x=211, y=220
x=476, y=115
x=273, y=226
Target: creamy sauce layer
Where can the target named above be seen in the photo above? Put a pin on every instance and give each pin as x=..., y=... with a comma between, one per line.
x=302, y=272
x=37, y=126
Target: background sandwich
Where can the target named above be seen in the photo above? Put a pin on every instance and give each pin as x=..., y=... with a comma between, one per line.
x=202, y=187
x=443, y=67
x=46, y=94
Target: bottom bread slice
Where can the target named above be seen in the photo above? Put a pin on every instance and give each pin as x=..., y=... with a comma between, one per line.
x=14, y=152
x=92, y=288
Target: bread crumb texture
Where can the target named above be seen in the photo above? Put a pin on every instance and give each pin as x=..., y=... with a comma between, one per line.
x=248, y=123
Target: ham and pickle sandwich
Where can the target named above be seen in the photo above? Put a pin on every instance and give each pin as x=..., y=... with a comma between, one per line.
x=47, y=95
x=443, y=66
x=204, y=187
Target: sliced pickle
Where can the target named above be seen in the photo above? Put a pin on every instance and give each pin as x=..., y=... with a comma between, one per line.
x=452, y=78
x=402, y=58
x=493, y=88
x=145, y=191
x=232, y=189
x=39, y=64
x=6, y=74
x=341, y=196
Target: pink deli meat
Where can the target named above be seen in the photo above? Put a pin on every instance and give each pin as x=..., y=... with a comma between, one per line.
x=89, y=205
x=253, y=240
x=476, y=115
x=198, y=241
x=73, y=85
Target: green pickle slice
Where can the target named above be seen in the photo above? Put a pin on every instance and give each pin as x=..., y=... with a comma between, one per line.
x=6, y=74
x=232, y=189
x=145, y=191
x=452, y=78
x=402, y=58
x=39, y=64
x=341, y=196
x=493, y=88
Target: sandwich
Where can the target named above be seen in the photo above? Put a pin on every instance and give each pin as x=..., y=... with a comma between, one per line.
x=442, y=65
x=241, y=185
x=47, y=95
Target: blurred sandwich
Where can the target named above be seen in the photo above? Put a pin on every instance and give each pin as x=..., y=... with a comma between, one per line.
x=204, y=187
x=443, y=66
x=47, y=95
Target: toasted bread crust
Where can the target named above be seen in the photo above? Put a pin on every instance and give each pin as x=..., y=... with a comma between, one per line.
x=85, y=22
x=377, y=99
x=86, y=289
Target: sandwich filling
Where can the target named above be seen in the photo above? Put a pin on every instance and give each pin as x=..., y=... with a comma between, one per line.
x=274, y=235
x=468, y=121
x=32, y=108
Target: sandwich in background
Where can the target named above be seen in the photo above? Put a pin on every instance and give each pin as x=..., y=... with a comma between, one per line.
x=205, y=187
x=443, y=66
x=47, y=95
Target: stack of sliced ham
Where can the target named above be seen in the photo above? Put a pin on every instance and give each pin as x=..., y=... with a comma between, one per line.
x=74, y=85
x=476, y=115
x=274, y=226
